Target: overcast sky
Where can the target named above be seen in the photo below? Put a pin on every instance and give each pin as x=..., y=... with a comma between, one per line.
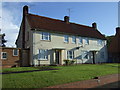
x=105, y=14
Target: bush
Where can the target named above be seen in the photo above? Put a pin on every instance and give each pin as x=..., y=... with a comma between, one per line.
x=72, y=62
x=69, y=62
x=66, y=62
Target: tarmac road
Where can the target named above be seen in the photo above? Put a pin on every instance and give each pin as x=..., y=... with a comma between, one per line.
x=110, y=85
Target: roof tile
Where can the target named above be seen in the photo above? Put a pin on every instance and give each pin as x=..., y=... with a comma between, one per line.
x=54, y=25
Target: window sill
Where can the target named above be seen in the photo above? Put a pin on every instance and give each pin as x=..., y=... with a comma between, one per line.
x=87, y=44
x=80, y=43
x=46, y=40
x=42, y=59
x=66, y=42
x=15, y=55
x=4, y=58
x=73, y=43
x=70, y=59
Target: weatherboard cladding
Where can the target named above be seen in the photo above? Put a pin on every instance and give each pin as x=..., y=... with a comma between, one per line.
x=54, y=25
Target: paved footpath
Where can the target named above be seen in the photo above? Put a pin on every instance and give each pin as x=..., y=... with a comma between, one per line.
x=98, y=81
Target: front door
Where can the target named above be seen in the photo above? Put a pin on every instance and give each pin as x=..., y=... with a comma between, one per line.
x=57, y=57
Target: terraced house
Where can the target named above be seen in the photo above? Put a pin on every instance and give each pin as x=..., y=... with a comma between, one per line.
x=46, y=41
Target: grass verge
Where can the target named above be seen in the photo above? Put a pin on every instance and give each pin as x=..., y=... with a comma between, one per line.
x=65, y=74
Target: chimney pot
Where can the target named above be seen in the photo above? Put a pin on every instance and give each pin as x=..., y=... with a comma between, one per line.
x=66, y=19
x=94, y=25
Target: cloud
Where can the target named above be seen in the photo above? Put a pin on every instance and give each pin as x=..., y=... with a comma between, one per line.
x=8, y=27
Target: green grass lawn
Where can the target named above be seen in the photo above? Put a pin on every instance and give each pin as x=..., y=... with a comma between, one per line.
x=64, y=74
x=19, y=69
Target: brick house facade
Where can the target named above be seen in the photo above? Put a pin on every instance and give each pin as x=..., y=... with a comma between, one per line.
x=9, y=57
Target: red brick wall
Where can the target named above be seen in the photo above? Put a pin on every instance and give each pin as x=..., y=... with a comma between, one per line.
x=11, y=59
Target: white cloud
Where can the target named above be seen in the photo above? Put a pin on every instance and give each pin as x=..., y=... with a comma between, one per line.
x=8, y=27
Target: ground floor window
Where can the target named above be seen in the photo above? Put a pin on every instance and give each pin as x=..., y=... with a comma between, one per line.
x=43, y=54
x=3, y=55
x=15, y=52
x=102, y=55
x=85, y=55
x=70, y=54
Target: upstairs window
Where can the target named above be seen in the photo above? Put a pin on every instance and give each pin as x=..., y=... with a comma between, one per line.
x=66, y=38
x=73, y=39
x=45, y=36
x=86, y=41
x=70, y=54
x=3, y=55
x=100, y=42
x=80, y=40
x=43, y=54
x=15, y=52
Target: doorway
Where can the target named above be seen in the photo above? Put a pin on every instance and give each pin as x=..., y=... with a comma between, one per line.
x=94, y=56
x=57, y=56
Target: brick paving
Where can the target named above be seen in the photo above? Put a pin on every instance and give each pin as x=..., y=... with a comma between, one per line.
x=99, y=81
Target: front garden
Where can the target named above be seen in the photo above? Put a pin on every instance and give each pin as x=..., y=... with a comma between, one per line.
x=61, y=75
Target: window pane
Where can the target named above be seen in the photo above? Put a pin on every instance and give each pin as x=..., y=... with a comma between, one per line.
x=73, y=39
x=45, y=36
x=4, y=55
x=80, y=40
x=85, y=55
x=42, y=54
x=15, y=52
x=70, y=54
x=66, y=38
x=100, y=42
x=86, y=41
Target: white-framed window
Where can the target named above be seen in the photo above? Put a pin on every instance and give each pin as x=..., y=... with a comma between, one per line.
x=3, y=55
x=102, y=55
x=66, y=38
x=46, y=36
x=42, y=54
x=80, y=40
x=86, y=41
x=99, y=42
x=85, y=55
x=15, y=52
x=73, y=39
x=70, y=54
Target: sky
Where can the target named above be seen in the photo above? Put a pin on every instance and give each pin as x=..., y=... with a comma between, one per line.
x=105, y=14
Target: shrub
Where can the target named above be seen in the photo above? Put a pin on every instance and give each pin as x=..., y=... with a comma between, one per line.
x=66, y=62
x=72, y=62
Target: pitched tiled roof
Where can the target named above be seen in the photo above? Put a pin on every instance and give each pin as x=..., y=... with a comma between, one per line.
x=54, y=25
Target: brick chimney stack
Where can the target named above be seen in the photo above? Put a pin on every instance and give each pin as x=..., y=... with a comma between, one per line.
x=25, y=10
x=94, y=25
x=118, y=30
x=66, y=19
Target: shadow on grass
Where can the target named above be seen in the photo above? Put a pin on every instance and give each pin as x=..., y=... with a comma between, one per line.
x=40, y=69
